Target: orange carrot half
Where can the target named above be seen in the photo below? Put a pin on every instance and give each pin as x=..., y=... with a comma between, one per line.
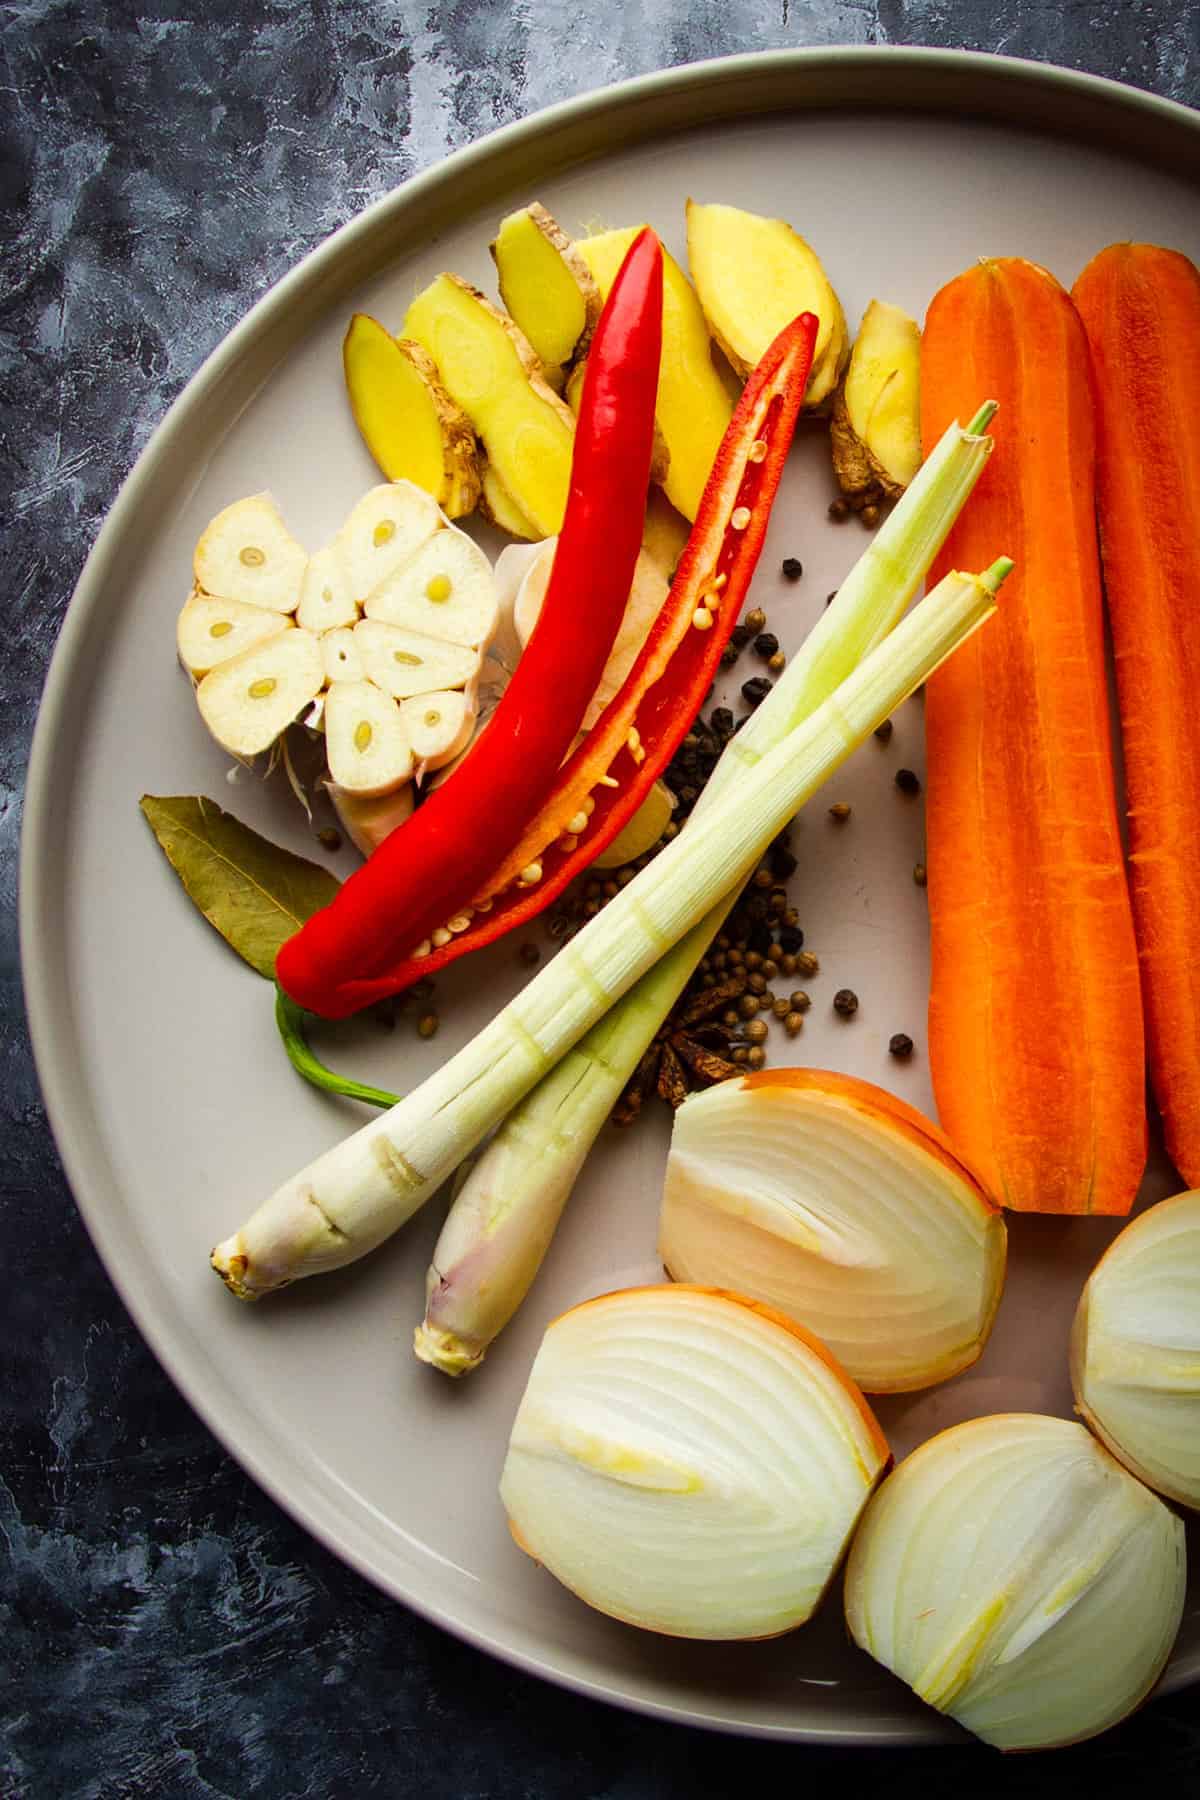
x=1141, y=310
x=1035, y=1023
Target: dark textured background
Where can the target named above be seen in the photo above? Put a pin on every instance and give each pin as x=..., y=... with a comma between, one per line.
x=164, y=1629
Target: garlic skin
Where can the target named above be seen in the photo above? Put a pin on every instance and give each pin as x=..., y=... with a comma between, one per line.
x=689, y=1462
x=1135, y=1348
x=1020, y=1580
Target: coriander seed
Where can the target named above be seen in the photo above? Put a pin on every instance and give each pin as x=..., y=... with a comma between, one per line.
x=755, y=620
x=756, y=1056
x=919, y=874
x=807, y=964
x=793, y=1024
x=839, y=811
x=427, y=1024
x=800, y=1001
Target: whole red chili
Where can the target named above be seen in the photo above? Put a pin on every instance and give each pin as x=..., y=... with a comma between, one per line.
x=666, y=685
x=429, y=869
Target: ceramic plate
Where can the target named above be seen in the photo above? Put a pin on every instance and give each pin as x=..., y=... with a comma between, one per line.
x=173, y=1106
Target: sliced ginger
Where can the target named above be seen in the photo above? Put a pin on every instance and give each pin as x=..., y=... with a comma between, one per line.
x=410, y=424
x=547, y=287
x=490, y=370
x=693, y=407
x=753, y=276
x=875, y=427
x=499, y=508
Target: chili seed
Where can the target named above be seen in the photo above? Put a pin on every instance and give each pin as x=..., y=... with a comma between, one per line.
x=755, y=691
x=755, y=620
x=793, y=568
x=427, y=1024
x=756, y=1056
x=756, y=1031
x=907, y=781
x=845, y=1003
x=883, y=732
x=919, y=874
x=530, y=954
x=901, y=1045
x=839, y=811
x=793, y=1024
x=807, y=964
x=766, y=644
x=800, y=1001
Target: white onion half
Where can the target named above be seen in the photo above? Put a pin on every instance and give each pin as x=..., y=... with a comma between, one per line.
x=1135, y=1348
x=1019, y=1579
x=689, y=1462
x=835, y=1202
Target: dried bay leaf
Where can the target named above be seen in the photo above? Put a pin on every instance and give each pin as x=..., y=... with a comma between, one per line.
x=254, y=892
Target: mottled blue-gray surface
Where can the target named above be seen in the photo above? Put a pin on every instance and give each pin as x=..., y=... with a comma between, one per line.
x=164, y=1629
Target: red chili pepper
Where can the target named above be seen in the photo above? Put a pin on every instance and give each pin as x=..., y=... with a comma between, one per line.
x=674, y=670
x=430, y=868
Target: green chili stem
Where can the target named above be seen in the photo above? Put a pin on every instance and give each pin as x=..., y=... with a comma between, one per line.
x=290, y=1019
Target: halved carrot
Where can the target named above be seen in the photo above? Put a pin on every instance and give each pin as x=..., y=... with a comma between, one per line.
x=1140, y=307
x=1035, y=1024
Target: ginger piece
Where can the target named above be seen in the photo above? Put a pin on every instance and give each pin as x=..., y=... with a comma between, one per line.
x=875, y=426
x=499, y=508
x=753, y=276
x=547, y=287
x=491, y=371
x=665, y=532
x=409, y=423
x=693, y=407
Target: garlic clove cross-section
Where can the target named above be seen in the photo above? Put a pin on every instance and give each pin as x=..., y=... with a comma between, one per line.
x=326, y=600
x=366, y=743
x=249, y=700
x=387, y=526
x=404, y=662
x=342, y=656
x=211, y=631
x=446, y=590
x=247, y=553
x=439, y=726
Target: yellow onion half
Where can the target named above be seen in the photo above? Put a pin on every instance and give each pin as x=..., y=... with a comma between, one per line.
x=1135, y=1348
x=689, y=1462
x=1019, y=1579
x=842, y=1206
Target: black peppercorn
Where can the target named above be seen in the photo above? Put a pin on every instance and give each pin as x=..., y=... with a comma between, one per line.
x=755, y=691
x=791, y=939
x=729, y=656
x=883, y=732
x=766, y=644
x=782, y=863
x=900, y=1045
x=793, y=568
x=845, y=1002
x=907, y=782
x=721, y=721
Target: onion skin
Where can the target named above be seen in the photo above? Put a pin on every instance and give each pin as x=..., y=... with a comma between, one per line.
x=1108, y=1403
x=839, y=1205
x=1020, y=1580
x=689, y=1463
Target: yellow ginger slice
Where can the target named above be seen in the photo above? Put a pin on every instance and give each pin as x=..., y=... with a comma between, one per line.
x=404, y=663
x=384, y=530
x=211, y=631
x=693, y=406
x=409, y=423
x=547, y=287
x=326, y=601
x=665, y=532
x=500, y=509
x=753, y=276
x=249, y=700
x=366, y=743
x=490, y=370
x=439, y=726
x=875, y=427
x=446, y=590
x=247, y=553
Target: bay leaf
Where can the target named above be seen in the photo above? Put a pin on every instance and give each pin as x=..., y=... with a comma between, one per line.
x=254, y=892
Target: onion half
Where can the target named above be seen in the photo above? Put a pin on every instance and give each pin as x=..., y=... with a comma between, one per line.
x=1135, y=1348
x=689, y=1462
x=1020, y=1580
x=835, y=1202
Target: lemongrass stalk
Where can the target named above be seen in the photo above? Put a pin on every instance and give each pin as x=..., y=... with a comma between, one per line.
x=358, y=1193
x=504, y=1217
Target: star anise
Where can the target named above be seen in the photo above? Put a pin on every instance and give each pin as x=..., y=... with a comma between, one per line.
x=691, y=1050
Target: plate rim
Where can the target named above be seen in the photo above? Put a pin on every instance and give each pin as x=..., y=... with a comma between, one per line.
x=698, y=87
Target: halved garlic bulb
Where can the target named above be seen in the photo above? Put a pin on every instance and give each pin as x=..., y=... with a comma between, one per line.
x=439, y=725
x=210, y=631
x=386, y=527
x=326, y=600
x=1018, y=1579
x=404, y=662
x=1135, y=1348
x=366, y=743
x=247, y=553
x=445, y=590
x=247, y=701
x=834, y=1201
x=690, y=1462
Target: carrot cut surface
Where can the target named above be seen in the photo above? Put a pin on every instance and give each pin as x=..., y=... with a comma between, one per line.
x=1140, y=307
x=1035, y=1023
